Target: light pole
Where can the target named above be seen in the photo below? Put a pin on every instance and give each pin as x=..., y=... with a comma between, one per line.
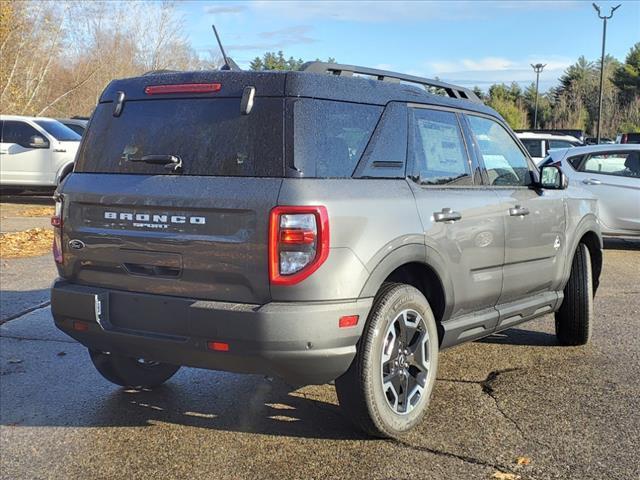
x=538, y=67
x=604, y=18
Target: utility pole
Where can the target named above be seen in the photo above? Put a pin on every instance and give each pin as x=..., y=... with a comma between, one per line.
x=538, y=67
x=604, y=19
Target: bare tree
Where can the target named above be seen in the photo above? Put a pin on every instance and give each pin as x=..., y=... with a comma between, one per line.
x=57, y=57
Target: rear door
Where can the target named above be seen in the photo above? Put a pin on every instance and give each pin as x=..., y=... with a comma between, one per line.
x=534, y=220
x=461, y=217
x=200, y=231
x=614, y=178
x=22, y=164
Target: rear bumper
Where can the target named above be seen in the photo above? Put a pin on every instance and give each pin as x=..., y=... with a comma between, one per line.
x=300, y=342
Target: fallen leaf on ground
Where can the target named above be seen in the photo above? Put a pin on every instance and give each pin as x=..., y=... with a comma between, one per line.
x=61, y=354
x=505, y=476
x=29, y=243
x=37, y=212
x=523, y=460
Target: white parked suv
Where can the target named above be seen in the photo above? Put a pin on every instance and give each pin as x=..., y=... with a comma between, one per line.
x=612, y=174
x=35, y=152
x=539, y=144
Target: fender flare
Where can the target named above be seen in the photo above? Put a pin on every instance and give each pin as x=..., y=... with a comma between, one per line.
x=588, y=223
x=412, y=253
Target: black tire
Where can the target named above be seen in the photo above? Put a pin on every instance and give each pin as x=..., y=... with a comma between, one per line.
x=575, y=316
x=376, y=406
x=131, y=372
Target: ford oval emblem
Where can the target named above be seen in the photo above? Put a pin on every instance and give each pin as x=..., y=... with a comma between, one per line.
x=76, y=244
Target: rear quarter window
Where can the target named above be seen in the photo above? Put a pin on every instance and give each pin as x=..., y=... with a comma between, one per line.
x=329, y=137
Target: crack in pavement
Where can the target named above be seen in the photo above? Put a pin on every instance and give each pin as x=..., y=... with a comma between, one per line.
x=422, y=448
x=487, y=388
x=443, y=453
x=24, y=312
x=14, y=337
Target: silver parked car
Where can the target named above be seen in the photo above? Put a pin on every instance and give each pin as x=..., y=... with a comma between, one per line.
x=612, y=174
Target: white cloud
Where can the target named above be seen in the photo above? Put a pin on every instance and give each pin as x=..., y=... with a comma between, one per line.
x=284, y=37
x=224, y=8
x=489, y=70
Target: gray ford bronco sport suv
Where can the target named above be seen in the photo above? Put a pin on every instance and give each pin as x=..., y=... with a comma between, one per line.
x=338, y=223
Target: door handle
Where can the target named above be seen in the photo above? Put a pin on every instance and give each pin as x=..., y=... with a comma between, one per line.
x=518, y=211
x=4, y=151
x=446, y=215
x=592, y=181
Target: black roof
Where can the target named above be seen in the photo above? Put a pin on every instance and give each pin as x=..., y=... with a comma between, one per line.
x=296, y=84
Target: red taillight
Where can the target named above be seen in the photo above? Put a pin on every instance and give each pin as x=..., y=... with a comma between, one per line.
x=218, y=346
x=56, y=223
x=292, y=236
x=348, y=321
x=624, y=138
x=183, y=88
x=298, y=243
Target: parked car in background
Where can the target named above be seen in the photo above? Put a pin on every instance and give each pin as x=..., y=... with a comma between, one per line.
x=612, y=174
x=594, y=141
x=571, y=132
x=35, y=152
x=77, y=124
x=539, y=144
x=628, y=138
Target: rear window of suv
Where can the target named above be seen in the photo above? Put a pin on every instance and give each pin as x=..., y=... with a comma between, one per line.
x=210, y=136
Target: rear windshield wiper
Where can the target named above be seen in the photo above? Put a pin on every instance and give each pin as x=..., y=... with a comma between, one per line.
x=172, y=162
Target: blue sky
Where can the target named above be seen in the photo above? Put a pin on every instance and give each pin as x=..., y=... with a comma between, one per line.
x=465, y=42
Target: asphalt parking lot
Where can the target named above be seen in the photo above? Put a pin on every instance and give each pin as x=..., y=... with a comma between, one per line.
x=515, y=405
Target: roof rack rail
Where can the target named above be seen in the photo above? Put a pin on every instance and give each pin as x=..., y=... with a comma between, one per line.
x=452, y=91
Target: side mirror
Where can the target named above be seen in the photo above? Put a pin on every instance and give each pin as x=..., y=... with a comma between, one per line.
x=551, y=177
x=36, y=141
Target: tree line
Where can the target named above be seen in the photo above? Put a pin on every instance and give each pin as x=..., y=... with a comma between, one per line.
x=57, y=57
x=573, y=103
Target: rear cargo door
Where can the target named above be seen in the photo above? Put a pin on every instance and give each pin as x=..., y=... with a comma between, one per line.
x=200, y=231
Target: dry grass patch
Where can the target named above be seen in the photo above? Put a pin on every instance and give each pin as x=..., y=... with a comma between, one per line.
x=30, y=243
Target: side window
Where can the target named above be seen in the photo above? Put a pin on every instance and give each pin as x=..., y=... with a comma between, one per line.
x=18, y=132
x=533, y=146
x=622, y=164
x=439, y=154
x=575, y=161
x=505, y=163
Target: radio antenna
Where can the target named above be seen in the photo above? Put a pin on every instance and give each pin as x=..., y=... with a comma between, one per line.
x=229, y=64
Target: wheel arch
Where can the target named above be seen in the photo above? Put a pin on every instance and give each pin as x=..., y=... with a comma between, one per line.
x=409, y=264
x=593, y=243
x=587, y=232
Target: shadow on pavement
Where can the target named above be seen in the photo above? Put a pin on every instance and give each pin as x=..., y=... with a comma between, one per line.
x=211, y=400
x=44, y=198
x=518, y=336
x=54, y=390
x=621, y=244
